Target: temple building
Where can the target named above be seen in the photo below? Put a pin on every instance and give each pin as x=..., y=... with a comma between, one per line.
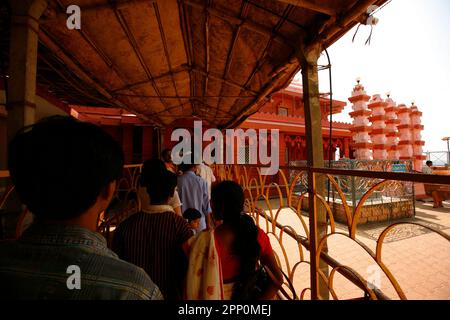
x=285, y=111
x=146, y=70
x=384, y=131
x=380, y=130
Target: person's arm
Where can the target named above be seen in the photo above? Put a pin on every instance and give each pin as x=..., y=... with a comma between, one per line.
x=184, y=233
x=206, y=206
x=270, y=262
x=213, y=177
x=209, y=222
x=175, y=203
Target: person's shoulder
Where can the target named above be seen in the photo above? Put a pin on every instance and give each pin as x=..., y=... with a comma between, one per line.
x=179, y=219
x=260, y=230
x=200, y=180
x=183, y=178
x=132, y=219
x=168, y=215
x=261, y=233
x=130, y=278
x=175, y=218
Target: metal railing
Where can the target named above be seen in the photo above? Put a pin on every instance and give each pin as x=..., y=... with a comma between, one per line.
x=262, y=191
x=311, y=236
x=439, y=158
x=395, y=194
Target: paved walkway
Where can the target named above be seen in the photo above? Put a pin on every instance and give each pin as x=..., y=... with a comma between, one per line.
x=418, y=259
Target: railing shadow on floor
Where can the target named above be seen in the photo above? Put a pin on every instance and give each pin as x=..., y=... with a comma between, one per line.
x=267, y=197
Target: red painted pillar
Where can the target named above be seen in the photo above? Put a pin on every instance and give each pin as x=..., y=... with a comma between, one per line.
x=127, y=144
x=3, y=139
x=147, y=143
x=167, y=141
x=282, y=152
x=346, y=148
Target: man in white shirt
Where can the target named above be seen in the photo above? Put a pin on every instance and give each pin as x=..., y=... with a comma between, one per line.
x=427, y=169
x=435, y=194
x=207, y=174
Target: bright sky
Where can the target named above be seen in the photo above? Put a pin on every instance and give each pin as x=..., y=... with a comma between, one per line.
x=408, y=56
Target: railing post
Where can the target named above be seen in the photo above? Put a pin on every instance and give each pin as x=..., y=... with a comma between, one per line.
x=353, y=189
x=3, y=147
x=316, y=185
x=3, y=139
x=23, y=53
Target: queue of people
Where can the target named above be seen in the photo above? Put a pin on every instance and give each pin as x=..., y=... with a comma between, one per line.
x=65, y=172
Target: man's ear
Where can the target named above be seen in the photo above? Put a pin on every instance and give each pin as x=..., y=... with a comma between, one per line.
x=109, y=191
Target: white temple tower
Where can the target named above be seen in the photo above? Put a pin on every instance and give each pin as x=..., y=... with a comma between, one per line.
x=361, y=126
x=391, y=129
x=378, y=133
x=418, y=143
x=404, y=128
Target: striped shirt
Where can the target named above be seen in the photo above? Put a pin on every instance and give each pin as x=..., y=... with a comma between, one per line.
x=37, y=267
x=153, y=240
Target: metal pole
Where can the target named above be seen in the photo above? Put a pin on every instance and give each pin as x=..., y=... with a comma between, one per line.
x=316, y=184
x=448, y=152
x=353, y=189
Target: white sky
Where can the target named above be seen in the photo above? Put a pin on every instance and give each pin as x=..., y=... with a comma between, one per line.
x=408, y=56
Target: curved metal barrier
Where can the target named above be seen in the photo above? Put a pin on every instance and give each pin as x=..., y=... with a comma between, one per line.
x=268, y=197
x=265, y=200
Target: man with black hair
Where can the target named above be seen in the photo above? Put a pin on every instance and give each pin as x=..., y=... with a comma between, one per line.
x=428, y=168
x=437, y=195
x=65, y=172
x=154, y=238
x=150, y=168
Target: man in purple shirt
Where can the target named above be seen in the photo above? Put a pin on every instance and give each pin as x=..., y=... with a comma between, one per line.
x=193, y=191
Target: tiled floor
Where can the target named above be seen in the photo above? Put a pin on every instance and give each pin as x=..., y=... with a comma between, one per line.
x=418, y=259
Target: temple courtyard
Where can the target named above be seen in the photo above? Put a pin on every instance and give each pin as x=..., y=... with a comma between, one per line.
x=418, y=258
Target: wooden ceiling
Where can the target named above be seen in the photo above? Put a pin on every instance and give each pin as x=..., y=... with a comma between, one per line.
x=164, y=60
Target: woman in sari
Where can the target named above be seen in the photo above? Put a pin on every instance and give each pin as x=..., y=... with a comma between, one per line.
x=223, y=262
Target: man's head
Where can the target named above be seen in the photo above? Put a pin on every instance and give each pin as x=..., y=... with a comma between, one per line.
x=161, y=186
x=193, y=217
x=227, y=201
x=150, y=169
x=62, y=167
x=429, y=163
